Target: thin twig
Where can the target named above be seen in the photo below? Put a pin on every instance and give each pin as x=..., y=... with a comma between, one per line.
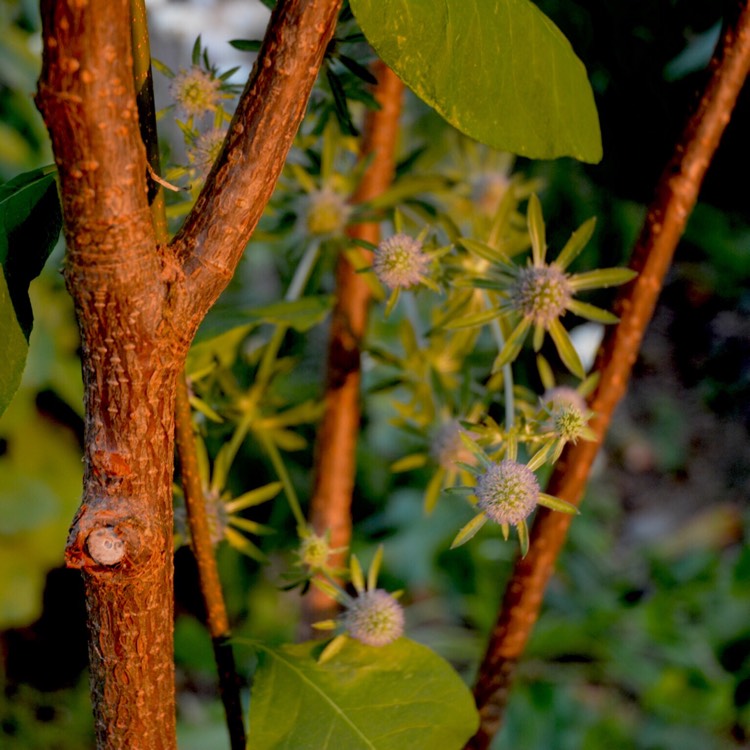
x=676, y=194
x=337, y=438
x=195, y=502
x=208, y=572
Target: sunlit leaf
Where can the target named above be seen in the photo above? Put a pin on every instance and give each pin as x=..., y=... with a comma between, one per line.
x=30, y=221
x=578, y=240
x=565, y=348
x=591, y=312
x=254, y=497
x=374, y=571
x=600, y=278
x=536, y=231
x=358, y=577
x=470, y=530
x=499, y=71
x=513, y=345
x=394, y=697
x=556, y=503
x=407, y=463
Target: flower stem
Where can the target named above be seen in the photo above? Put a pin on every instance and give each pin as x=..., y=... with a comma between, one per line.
x=510, y=407
x=330, y=507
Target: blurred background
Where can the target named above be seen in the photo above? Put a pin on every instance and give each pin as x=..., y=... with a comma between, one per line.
x=644, y=642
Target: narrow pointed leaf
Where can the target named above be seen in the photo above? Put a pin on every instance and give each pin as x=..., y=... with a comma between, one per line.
x=565, y=348
x=374, y=571
x=332, y=649
x=536, y=230
x=476, y=319
x=578, y=240
x=243, y=545
x=481, y=250
x=512, y=345
x=432, y=493
x=470, y=530
x=591, y=312
x=329, y=590
x=541, y=456
x=545, y=372
x=246, y=45
x=358, y=577
x=475, y=449
x=556, y=503
x=407, y=463
x=523, y=537
x=601, y=278
x=538, y=338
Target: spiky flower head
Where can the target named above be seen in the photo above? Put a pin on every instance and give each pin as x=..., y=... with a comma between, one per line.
x=206, y=150
x=195, y=91
x=541, y=294
x=375, y=618
x=326, y=212
x=568, y=413
x=314, y=551
x=400, y=262
x=507, y=492
x=447, y=448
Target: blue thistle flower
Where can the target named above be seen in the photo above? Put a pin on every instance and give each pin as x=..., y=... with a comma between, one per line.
x=400, y=262
x=375, y=618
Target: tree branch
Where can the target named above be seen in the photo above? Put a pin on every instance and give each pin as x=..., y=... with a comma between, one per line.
x=676, y=194
x=215, y=233
x=337, y=437
x=208, y=571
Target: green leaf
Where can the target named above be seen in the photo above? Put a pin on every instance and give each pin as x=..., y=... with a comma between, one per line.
x=498, y=70
x=535, y=222
x=470, y=530
x=578, y=240
x=30, y=221
x=408, y=463
x=363, y=698
x=512, y=345
x=475, y=319
x=301, y=314
x=246, y=45
x=481, y=250
x=15, y=347
x=600, y=278
x=557, y=503
x=591, y=312
x=565, y=348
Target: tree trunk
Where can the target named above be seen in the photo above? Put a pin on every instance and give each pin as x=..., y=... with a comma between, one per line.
x=138, y=304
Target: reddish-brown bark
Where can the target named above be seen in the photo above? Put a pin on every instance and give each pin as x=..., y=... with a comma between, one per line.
x=676, y=194
x=337, y=437
x=138, y=303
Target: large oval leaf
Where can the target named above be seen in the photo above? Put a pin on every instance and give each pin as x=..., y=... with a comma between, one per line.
x=498, y=70
x=399, y=696
x=30, y=220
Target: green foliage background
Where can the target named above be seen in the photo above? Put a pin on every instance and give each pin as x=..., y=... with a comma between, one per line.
x=644, y=642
